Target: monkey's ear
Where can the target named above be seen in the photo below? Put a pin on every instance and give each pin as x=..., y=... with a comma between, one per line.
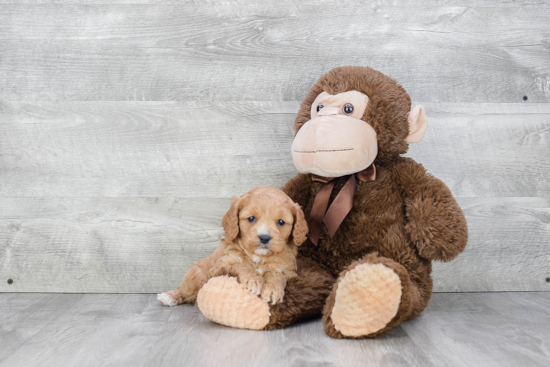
x=299, y=232
x=417, y=124
x=230, y=221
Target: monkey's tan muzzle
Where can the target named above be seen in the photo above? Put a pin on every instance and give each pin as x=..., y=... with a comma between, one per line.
x=334, y=145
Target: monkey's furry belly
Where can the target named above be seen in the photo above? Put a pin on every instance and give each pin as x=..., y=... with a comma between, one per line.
x=376, y=224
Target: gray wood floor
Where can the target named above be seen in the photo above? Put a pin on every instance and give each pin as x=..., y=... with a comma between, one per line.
x=457, y=329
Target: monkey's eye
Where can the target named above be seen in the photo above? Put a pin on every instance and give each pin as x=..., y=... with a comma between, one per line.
x=281, y=222
x=252, y=219
x=319, y=107
x=348, y=108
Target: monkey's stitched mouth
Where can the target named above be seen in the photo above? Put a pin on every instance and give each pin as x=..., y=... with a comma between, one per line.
x=323, y=150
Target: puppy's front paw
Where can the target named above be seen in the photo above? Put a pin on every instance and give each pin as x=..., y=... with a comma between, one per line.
x=166, y=300
x=170, y=298
x=273, y=293
x=253, y=284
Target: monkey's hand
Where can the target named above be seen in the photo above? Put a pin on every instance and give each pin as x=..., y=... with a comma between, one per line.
x=435, y=222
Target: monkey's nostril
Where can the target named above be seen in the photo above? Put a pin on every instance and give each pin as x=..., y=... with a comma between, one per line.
x=264, y=239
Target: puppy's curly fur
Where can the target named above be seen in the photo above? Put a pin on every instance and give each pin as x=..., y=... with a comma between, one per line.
x=263, y=229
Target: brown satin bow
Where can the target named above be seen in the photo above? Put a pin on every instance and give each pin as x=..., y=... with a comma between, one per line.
x=339, y=208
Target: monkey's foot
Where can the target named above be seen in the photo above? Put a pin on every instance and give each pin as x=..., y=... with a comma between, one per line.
x=366, y=300
x=225, y=301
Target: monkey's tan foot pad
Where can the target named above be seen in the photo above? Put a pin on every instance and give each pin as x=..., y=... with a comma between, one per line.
x=367, y=299
x=225, y=301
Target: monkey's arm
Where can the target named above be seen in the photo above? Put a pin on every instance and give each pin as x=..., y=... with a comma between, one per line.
x=435, y=222
x=298, y=189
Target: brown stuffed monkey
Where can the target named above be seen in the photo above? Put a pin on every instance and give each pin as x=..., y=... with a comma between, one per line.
x=376, y=219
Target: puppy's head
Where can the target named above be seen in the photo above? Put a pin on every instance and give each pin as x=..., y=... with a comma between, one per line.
x=266, y=221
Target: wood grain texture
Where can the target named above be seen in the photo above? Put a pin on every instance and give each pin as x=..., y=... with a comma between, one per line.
x=508, y=247
x=125, y=196
x=488, y=150
x=221, y=149
x=440, y=51
x=133, y=245
x=189, y=149
x=126, y=126
x=109, y=245
x=498, y=329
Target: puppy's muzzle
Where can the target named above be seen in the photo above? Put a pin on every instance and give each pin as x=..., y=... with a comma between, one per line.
x=264, y=240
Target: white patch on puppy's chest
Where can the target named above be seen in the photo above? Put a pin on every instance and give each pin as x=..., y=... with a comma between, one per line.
x=258, y=260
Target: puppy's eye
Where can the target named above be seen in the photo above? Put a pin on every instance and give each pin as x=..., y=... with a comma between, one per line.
x=348, y=108
x=252, y=219
x=319, y=107
x=281, y=222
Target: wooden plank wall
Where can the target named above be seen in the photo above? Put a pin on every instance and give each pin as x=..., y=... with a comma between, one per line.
x=126, y=127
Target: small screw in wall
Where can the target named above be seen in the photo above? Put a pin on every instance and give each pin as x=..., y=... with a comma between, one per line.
x=10, y=281
x=525, y=98
x=548, y=280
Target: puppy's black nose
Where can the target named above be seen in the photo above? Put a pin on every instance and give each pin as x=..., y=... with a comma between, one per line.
x=264, y=239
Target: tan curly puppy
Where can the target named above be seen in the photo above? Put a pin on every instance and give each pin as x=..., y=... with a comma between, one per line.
x=262, y=231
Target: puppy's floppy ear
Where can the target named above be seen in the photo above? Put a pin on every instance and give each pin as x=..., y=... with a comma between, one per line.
x=230, y=221
x=299, y=232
